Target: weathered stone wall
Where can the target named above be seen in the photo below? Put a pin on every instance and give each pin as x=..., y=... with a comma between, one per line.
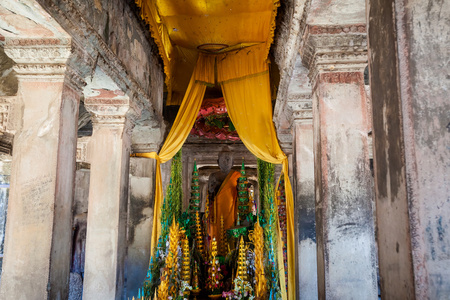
x=125, y=36
x=140, y=222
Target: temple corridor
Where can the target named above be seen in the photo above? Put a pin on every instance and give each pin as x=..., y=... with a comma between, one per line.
x=210, y=149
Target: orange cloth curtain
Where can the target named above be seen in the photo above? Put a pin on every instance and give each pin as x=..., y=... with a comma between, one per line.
x=180, y=28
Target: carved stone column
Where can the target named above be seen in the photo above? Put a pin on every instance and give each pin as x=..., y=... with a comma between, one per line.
x=346, y=253
x=38, y=232
x=108, y=194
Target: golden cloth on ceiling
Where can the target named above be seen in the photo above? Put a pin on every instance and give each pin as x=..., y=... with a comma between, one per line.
x=225, y=205
x=183, y=28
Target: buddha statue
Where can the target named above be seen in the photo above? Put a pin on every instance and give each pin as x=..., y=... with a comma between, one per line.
x=225, y=162
x=222, y=194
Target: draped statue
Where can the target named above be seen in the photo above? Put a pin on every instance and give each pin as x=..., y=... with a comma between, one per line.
x=222, y=194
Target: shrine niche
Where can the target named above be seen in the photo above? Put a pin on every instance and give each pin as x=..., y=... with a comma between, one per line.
x=227, y=250
x=222, y=257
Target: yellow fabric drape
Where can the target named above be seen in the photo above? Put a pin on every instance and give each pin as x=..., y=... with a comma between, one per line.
x=248, y=101
x=180, y=130
x=241, y=63
x=182, y=28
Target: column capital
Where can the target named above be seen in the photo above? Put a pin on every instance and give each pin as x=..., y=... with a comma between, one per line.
x=107, y=103
x=38, y=57
x=301, y=106
x=108, y=107
x=336, y=48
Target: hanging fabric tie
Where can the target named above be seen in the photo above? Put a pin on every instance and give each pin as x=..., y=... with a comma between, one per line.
x=179, y=132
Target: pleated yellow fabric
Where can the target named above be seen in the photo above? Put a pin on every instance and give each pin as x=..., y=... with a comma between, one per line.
x=179, y=132
x=181, y=29
x=240, y=63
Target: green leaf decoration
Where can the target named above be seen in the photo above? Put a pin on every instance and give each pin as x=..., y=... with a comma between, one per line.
x=231, y=126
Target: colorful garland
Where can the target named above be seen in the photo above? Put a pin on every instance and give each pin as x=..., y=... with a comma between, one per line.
x=213, y=121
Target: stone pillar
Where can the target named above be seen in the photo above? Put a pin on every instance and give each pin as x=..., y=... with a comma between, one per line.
x=108, y=194
x=304, y=201
x=140, y=221
x=411, y=134
x=146, y=137
x=346, y=251
x=38, y=230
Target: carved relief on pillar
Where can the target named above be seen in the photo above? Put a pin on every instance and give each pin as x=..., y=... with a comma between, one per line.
x=82, y=149
x=301, y=106
x=6, y=132
x=109, y=108
x=44, y=56
x=338, y=48
x=5, y=105
x=342, y=77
